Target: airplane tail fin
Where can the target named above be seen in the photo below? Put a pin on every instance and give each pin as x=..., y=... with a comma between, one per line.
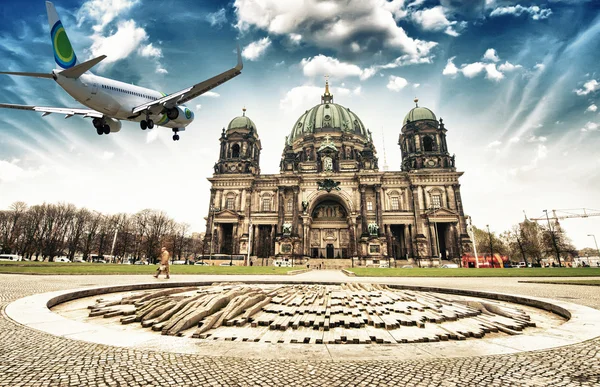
x=63, y=51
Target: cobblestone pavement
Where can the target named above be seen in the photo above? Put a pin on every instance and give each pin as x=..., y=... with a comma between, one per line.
x=32, y=358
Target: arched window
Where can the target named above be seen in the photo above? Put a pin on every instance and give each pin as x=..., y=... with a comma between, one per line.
x=230, y=202
x=235, y=151
x=394, y=200
x=428, y=144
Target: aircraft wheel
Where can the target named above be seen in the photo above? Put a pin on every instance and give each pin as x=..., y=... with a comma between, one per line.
x=175, y=137
x=143, y=124
x=100, y=131
x=150, y=124
x=106, y=129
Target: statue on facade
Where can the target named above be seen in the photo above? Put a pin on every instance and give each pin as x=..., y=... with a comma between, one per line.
x=373, y=229
x=304, y=206
x=287, y=229
x=216, y=167
x=327, y=164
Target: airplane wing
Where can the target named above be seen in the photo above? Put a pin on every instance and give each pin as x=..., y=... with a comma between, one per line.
x=68, y=112
x=189, y=93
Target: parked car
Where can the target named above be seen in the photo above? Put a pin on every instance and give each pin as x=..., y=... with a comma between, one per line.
x=200, y=263
x=281, y=263
x=407, y=267
x=384, y=265
x=450, y=266
x=62, y=259
x=10, y=257
x=226, y=264
x=141, y=262
x=180, y=262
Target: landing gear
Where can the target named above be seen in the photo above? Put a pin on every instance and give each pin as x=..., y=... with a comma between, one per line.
x=143, y=124
x=150, y=124
x=106, y=129
x=100, y=131
x=101, y=126
x=175, y=135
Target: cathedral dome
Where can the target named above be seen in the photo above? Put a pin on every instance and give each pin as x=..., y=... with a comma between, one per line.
x=327, y=117
x=241, y=122
x=418, y=114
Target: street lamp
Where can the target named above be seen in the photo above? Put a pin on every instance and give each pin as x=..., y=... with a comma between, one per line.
x=491, y=246
x=594, y=236
x=212, y=210
x=553, y=239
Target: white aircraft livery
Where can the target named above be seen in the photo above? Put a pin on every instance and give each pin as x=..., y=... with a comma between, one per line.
x=111, y=101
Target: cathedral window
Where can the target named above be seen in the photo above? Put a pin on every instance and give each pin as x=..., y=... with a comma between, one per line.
x=395, y=203
x=428, y=144
x=230, y=203
x=369, y=206
x=290, y=206
x=266, y=204
x=235, y=151
x=436, y=201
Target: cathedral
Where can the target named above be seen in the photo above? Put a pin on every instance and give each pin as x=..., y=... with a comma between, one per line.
x=330, y=199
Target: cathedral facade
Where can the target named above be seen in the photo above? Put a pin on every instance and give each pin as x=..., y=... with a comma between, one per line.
x=331, y=200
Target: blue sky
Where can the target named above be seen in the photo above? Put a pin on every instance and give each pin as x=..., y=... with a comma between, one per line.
x=517, y=84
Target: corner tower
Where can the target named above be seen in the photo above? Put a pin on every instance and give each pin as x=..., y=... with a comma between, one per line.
x=240, y=147
x=423, y=141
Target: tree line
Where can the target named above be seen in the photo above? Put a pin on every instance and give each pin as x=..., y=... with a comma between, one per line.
x=527, y=242
x=47, y=231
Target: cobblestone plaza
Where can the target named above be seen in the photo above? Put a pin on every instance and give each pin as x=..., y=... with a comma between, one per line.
x=29, y=357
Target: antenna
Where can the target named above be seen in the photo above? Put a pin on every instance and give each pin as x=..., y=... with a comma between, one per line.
x=385, y=164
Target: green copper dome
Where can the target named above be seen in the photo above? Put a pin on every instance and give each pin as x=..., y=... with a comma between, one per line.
x=418, y=114
x=327, y=117
x=241, y=122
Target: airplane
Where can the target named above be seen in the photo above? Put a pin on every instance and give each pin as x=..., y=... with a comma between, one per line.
x=110, y=101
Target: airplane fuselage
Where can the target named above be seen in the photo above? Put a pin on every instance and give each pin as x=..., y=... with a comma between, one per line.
x=117, y=99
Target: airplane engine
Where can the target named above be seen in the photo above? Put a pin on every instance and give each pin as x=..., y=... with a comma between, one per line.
x=113, y=124
x=173, y=113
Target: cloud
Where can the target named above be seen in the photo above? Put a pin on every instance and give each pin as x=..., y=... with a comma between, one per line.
x=295, y=38
x=102, y=12
x=535, y=12
x=508, y=67
x=541, y=152
x=589, y=87
x=198, y=107
x=217, y=18
x=126, y=39
x=491, y=55
x=299, y=97
x=396, y=83
x=533, y=138
x=325, y=65
x=590, y=126
x=494, y=144
x=211, y=94
x=256, y=49
x=339, y=26
x=10, y=171
x=450, y=68
x=514, y=140
x=471, y=70
x=434, y=19
x=107, y=155
x=149, y=51
x=160, y=70
x=591, y=108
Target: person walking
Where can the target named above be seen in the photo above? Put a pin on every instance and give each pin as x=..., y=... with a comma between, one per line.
x=164, y=263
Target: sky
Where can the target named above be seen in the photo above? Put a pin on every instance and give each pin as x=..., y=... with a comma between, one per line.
x=516, y=82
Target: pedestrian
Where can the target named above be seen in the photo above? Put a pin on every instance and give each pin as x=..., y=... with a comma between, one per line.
x=163, y=266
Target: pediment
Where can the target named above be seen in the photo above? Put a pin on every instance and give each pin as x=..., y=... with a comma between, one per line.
x=442, y=214
x=226, y=215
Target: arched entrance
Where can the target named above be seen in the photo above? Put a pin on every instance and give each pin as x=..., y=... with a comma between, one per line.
x=330, y=234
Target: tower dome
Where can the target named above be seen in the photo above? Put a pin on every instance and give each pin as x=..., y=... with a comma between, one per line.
x=327, y=117
x=241, y=122
x=419, y=114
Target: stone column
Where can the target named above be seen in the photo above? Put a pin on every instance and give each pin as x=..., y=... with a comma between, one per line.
x=235, y=239
x=306, y=238
x=281, y=208
x=363, y=209
x=407, y=240
x=388, y=235
x=295, y=211
x=352, y=236
x=272, y=246
x=209, y=220
x=378, y=205
x=459, y=209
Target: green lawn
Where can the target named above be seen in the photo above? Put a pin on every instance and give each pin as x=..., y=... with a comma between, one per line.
x=438, y=272
x=99, y=268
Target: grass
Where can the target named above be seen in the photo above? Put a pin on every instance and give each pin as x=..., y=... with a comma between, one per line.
x=101, y=268
x=567, y=282
x=438, y=272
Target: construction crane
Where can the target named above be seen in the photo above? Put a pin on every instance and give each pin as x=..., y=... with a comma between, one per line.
x=573, y=213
